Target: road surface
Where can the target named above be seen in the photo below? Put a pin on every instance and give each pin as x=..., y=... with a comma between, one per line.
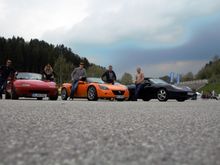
x=109, y=133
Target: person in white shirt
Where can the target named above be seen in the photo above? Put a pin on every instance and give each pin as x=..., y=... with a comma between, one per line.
x=139, y=79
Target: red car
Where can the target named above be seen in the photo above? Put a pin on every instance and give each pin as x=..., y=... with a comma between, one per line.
x=31, y=85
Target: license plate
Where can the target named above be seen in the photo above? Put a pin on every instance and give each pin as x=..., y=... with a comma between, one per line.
x=39, y=95
x=119, y=97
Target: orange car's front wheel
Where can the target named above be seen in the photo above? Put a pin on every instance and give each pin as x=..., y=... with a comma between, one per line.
x=92, y=94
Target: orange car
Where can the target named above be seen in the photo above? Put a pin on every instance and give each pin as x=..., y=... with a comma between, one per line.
x=95, y=88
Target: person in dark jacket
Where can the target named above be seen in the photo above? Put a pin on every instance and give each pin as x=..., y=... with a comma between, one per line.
x=109, y=76
x=5, y=72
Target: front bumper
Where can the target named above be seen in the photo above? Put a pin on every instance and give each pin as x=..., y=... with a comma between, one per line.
x=115, y=94
x=36, y=92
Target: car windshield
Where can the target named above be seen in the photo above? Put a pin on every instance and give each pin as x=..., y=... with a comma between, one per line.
x=158, y=81
x=95, y=80
x=29, y=76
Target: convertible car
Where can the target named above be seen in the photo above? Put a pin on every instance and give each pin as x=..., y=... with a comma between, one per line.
x=95, y=88
x=154, y=88
x=32, y=85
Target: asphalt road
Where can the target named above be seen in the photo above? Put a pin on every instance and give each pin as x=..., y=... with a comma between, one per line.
x=98, y=133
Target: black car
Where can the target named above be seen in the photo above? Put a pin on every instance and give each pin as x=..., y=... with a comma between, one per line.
x=154, y=88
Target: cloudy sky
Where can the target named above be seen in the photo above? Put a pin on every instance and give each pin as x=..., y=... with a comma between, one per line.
x=160, y=36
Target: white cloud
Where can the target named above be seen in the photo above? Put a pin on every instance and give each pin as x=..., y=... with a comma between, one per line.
x=102, y=21
x=159, y=21
x=30, y=19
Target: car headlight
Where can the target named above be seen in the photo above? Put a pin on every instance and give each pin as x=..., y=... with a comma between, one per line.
x=103, y=87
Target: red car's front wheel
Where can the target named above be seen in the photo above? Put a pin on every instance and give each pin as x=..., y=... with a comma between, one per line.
x=55, y=97
x=14, y=96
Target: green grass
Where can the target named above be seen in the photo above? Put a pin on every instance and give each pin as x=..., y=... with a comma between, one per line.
x=210, y=87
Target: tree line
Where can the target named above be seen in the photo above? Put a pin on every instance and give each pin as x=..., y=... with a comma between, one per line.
x=33, y=55
x=211, y=71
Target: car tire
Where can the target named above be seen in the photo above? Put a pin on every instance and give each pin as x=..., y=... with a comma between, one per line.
x=7, y=95
x=180, y=100
x=64, y=94
x=14, y=96
x=146, y=99
x=120, y=99
x=53, y=97
x=162, y=95
x=92, y=94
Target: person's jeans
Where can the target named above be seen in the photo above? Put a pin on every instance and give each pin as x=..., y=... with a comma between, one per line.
x=137, y=90
x=74, y=86
x=2, y=85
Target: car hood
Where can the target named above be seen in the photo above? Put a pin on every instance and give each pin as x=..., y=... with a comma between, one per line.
x=183, y=88
x=36, y=83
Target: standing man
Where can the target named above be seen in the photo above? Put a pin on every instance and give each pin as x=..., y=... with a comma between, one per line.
x=109, y=76
x=76, y=75
x=139, y=79
x=5, y=72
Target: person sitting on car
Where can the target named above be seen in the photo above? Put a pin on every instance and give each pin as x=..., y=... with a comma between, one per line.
x=109, y=76
x=48, y=73
x=77, y=74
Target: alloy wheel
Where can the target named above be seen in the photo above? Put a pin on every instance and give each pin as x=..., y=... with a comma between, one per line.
x=92, y=94
x=162, y=95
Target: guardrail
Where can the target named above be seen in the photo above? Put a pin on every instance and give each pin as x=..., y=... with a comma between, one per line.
x=195, y=84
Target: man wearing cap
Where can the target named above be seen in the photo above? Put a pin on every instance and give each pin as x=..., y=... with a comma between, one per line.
x=109, y=76
x=5, y=72
x=76, y=75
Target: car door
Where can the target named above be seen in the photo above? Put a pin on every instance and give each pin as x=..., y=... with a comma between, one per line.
x=147, y=90
x=82, y=89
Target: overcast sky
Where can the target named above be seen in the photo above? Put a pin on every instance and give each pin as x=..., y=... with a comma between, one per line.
x=160, y=36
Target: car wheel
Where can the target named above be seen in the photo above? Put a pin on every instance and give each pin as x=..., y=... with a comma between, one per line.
x=14, y=96
x=92, y=94
x=53, y=97
x=181, y=100
x=7, y=95
x=120, y=99
x=162, y=95
x=64, y=95
x=146, y=99
x=132, y=97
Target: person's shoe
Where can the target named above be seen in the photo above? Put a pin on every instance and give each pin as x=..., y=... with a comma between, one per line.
x=71, y=98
